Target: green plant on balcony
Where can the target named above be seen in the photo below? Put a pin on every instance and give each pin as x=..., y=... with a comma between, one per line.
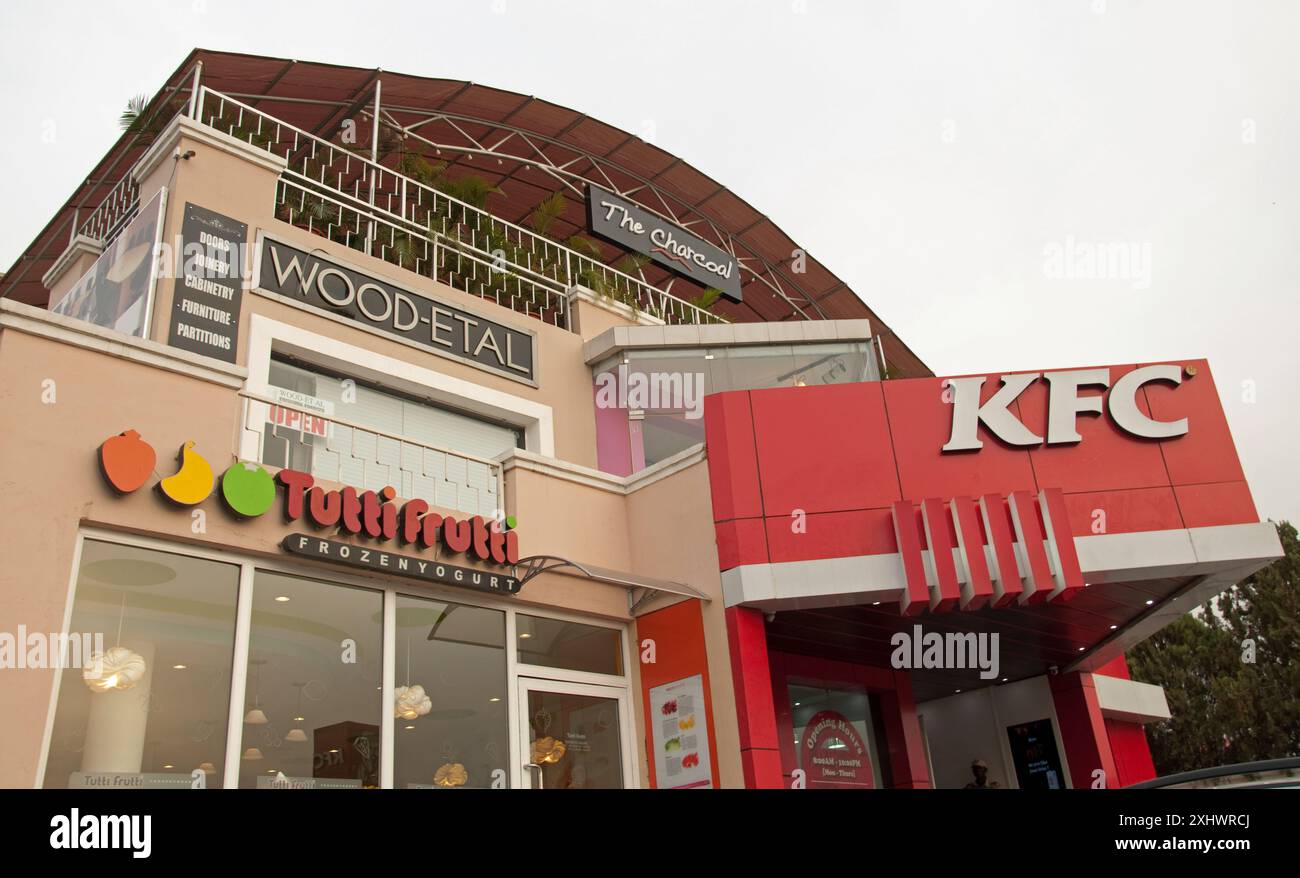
x=706, y=299
x=146, y=127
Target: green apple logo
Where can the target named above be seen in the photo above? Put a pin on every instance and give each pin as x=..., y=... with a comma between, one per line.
x=249, y=490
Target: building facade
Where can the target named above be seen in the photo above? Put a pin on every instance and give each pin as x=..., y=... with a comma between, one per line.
x=365, y=430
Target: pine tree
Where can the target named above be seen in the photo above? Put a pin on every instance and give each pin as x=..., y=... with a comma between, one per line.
x=1231, y=672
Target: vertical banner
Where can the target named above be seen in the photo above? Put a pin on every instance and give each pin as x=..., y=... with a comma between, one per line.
x=208, y=295
x=117, y=292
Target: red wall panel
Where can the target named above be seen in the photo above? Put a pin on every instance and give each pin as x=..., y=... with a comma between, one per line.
x=824, y=449
x=733, y=463
x=920, y=422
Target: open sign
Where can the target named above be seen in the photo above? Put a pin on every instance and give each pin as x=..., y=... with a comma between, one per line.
x=313, y=425
x=300, y=411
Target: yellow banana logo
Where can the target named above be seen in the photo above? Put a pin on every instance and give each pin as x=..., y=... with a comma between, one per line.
x=193, y=482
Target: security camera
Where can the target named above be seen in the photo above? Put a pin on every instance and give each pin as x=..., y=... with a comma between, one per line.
x=1054, y=670
x=183, y=156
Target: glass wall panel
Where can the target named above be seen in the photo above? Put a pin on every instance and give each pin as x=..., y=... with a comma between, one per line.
x=313, y=698
x=154, y=709
x=452, y=722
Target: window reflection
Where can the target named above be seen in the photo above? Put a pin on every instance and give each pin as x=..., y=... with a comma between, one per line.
x=555, y=643
x=157, y=710
x=451, y=669
x=313, y=694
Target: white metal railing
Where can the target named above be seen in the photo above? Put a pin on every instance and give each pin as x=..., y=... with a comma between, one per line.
x=117, y=209
x=412, y=209
x=454, y=263
x=356, y=454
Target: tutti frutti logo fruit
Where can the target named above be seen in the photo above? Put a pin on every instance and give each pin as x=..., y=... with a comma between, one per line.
x=127, y=461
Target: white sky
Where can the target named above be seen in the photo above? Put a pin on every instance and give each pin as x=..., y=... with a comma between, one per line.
x=927, y=152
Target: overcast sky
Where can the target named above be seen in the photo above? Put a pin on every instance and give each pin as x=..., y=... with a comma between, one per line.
x=955, y=163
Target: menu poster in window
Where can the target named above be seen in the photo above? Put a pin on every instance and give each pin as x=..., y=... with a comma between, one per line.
x=1033, y=751
x=117, y=292
x=680, y=735
x=205, y=306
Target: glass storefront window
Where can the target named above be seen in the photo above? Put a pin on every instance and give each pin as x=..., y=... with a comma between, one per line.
x=453, y=730
x=313, y=695
x=155, y=710
x=835, y=736
x=555, y=643
x=312, y=715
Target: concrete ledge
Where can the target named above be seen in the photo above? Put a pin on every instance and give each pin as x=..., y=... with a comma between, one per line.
x=620, y=338
x=18, y=317
x=82, y=245
x=1129, y=700
x=594, y=478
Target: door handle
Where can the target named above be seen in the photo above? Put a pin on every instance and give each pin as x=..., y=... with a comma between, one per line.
x=533, y=766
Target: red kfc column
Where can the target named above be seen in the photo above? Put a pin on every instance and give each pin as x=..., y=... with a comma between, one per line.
x=904, y=742
x=760, y=755
x=1083, y=730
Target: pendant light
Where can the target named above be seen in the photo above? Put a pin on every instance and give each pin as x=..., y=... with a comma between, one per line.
x=410, y=702
x=297, y=735
x=116, y=669
x=256, y=717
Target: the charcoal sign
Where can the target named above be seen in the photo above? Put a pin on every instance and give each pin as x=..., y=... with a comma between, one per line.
x=628, y=225
x=205, y=305
x=381, y=305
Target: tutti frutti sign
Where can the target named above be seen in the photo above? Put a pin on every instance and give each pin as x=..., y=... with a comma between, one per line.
x=127, y=462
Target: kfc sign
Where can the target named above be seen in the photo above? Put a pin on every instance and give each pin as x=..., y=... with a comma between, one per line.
x=1064, y=404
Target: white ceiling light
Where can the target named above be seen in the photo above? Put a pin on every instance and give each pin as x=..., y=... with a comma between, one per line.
x=115, y=670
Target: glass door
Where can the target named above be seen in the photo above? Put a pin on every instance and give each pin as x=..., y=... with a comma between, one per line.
x=573, y=735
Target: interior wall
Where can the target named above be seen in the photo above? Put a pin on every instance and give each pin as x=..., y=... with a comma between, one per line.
x=972, y=725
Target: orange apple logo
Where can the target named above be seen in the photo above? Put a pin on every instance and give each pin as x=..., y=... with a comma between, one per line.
x=127, y=461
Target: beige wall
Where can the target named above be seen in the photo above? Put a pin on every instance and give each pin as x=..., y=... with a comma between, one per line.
x=103, y=385
x=670, y=523
x=225, y=177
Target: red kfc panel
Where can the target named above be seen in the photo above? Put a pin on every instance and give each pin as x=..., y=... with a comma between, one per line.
x=920, y=421
x=832, y=535
x=940, y=538
x=824, y=448
x=733, y=463
x=1213, y=505
x=1206, y=453
x=1106, y=458
x=741, y=541
x=1120, y=512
